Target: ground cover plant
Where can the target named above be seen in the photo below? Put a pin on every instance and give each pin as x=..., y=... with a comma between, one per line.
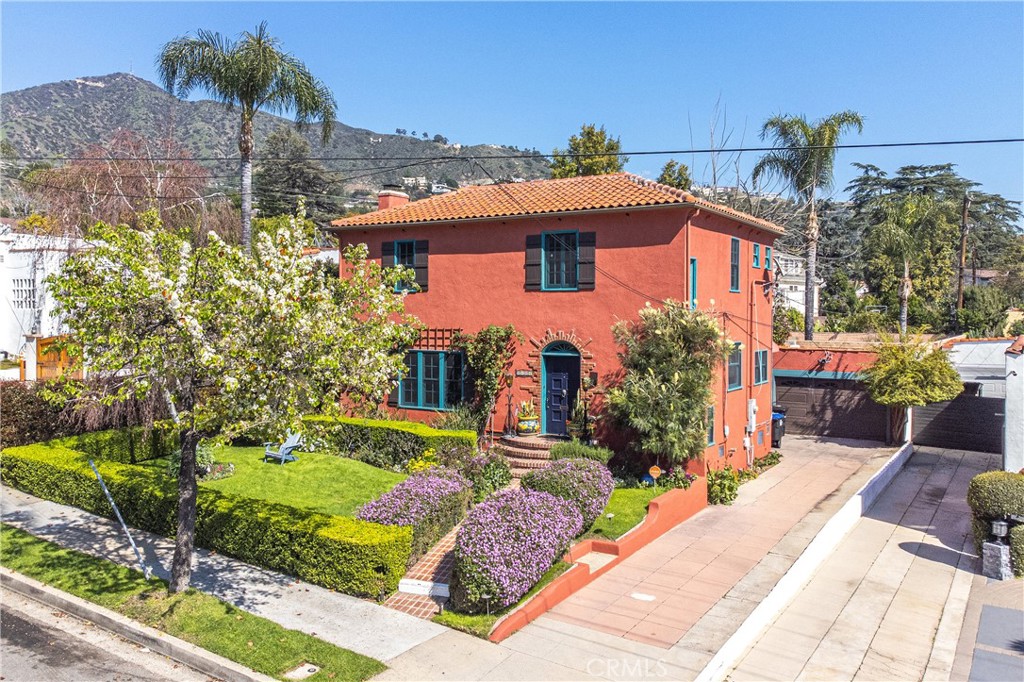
x=585, y=483
x=192, y=616
x=481, y=624
x=574, y=449
x=506, y=544
x=430, y=502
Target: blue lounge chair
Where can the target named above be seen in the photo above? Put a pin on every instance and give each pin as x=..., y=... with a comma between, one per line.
x=284, y=453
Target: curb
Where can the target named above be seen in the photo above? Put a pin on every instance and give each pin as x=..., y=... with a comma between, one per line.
x=813, y=556
x=202, y=660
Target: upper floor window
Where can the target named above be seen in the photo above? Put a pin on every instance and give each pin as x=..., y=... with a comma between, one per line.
x=734, y=265
x=768, y=258
x=736, y=369
x=711, y=425
x=561, y=261
x=757, y=255
x=760, y=367
x=409, y=253
x=433, y=380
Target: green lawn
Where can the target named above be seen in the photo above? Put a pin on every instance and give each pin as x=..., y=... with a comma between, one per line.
x=629, y=506
x=323, y=483
x=192, y=616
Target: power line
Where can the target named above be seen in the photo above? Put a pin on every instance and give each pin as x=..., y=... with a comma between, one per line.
x=535, y=155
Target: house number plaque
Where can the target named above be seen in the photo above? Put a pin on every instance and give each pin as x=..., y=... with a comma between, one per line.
x=524, y=373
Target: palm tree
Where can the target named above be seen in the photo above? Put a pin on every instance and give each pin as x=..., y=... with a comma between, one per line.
x=899, y=236
x=804, y=159
x=252, y=74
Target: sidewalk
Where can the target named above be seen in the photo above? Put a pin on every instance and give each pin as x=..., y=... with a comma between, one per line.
x=890, y=602
x=346, y=621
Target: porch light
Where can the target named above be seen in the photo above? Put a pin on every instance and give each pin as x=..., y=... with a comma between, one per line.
x=999, y=529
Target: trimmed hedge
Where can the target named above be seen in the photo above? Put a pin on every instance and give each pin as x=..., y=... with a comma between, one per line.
x=576, y=450
x=431, y=503
x=505, y=546
x=127, y=446
x=585, y=483
x=344, y=554
x=996, y=495
x=384, y=444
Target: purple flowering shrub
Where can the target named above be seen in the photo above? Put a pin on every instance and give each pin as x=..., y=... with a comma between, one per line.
x=431, y=502
x=505, y=546
x=585, y=482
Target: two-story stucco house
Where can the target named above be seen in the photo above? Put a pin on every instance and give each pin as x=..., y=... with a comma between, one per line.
x=564, y=260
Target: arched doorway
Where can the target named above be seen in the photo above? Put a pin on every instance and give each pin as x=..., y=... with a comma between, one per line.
x=560, y=382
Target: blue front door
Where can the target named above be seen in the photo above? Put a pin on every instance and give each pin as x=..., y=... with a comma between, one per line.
x=557, y=412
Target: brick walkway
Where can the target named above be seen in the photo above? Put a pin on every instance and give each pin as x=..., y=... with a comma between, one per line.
x=434, y=567
x=656, y=596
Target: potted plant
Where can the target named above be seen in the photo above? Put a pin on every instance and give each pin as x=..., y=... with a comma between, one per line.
x=528, y=421
x=578, y=421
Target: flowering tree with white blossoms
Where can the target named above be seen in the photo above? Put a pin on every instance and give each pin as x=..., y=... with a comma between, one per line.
x=232, y=341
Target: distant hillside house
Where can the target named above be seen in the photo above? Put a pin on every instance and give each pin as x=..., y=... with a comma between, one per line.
x=563, y=260
x=791, y=275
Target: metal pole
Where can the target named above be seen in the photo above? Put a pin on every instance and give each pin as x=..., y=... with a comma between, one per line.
x=142, y=564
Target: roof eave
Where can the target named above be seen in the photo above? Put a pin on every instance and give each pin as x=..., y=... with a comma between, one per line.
x=338, y=229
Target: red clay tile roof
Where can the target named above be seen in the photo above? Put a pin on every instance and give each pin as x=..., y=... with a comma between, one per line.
x=539, y=197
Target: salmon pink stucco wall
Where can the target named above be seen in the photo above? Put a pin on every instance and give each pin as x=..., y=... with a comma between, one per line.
x=477, y=278
x=812, y=360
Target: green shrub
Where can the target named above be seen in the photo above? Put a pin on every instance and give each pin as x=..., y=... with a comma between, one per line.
x=127, y=446
x=463, y=417
x=996, y=494
x=584, y=482
x=27, y=417
x=489, y=471
x=382, y=443
x=576, y=450
x=723, y=485
x=1017, y=550
x=340, y=553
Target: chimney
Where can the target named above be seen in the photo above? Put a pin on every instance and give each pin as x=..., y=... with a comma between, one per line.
x=390, y=196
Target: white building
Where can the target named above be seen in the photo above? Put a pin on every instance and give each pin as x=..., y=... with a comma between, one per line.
x=790, y=273
x=26, y=309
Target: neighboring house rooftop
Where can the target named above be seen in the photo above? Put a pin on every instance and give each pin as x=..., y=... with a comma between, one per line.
x=541, y=197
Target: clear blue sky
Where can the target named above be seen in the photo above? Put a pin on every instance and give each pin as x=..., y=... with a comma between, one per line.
x=530, y=74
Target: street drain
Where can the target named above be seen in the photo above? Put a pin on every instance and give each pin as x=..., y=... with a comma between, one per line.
x=302, y=671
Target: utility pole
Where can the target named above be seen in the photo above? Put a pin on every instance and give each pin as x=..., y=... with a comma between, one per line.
x=963, y=252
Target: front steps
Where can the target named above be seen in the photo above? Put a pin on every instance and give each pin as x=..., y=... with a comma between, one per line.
x=528, y=453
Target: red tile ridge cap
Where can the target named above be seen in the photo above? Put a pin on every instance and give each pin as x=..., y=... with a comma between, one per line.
x=1017, y=347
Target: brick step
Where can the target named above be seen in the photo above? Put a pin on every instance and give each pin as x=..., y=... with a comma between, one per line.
x=530, y=442
x=525, y=453
x=523, y=465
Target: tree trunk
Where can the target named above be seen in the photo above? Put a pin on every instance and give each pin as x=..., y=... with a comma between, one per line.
x=245, y=147
x=181, y=565
x=810, y=272
x=904, y=293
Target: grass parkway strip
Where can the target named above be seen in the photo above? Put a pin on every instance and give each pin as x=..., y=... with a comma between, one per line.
x=192, y=616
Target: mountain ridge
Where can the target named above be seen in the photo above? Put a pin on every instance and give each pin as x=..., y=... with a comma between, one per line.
x=64, y=117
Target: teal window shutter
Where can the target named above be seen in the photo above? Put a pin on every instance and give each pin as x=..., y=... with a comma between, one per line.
x=736, y=369
x=734, y=265
x=693, y=284
x=757, y=255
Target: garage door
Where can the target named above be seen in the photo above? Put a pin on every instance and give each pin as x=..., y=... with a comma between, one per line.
x=968, y=422
x=838, y=408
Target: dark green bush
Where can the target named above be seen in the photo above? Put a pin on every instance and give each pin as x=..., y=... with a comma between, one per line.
x=27, y=418
x=1017, y=550
x=574, y=449
x=488, y=471
x=723, y=485
x=340, y=553
x=382, y=443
